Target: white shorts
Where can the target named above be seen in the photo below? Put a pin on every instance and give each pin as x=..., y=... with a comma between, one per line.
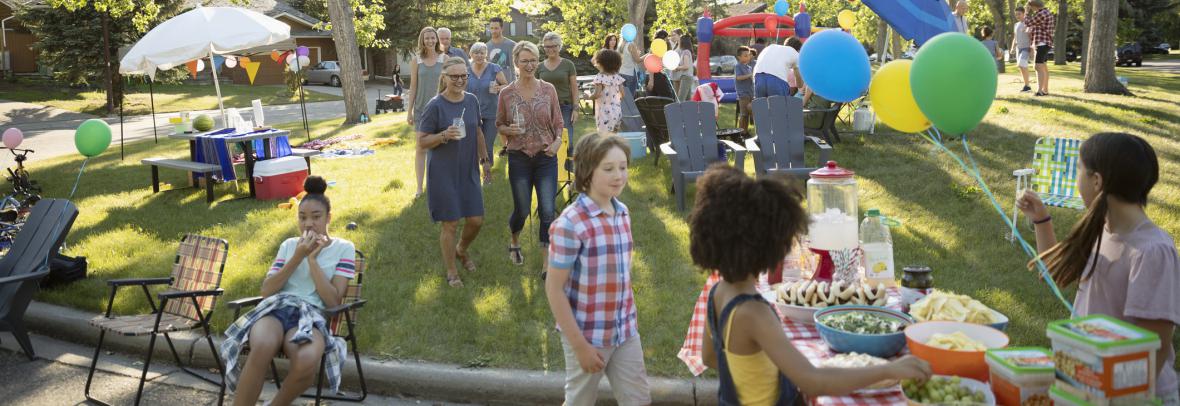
x=1022, y=57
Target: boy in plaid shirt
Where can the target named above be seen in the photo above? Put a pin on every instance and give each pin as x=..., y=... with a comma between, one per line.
x=1041, y=24
x=589, y=279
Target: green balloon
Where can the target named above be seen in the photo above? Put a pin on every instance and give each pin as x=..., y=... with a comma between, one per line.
x=92, y=137
x=953, y=79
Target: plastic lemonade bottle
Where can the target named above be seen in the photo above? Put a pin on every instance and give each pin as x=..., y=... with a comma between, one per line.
x=878, y=249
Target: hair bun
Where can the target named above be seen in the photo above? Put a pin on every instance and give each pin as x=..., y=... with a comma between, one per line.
x=315, y=185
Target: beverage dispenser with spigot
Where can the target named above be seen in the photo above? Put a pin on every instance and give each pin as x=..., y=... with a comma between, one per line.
x=831, y=206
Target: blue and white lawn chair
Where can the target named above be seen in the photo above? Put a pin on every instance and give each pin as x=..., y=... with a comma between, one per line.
x=1053, y=174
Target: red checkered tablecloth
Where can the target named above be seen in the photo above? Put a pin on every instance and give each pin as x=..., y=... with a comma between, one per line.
x=805, y=338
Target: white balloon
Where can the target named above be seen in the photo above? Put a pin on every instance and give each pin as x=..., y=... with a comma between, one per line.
x=231, y=62
x=304, y=60
x=293, y=65
x=200, y=65
x=671, y=60
x=290, y=57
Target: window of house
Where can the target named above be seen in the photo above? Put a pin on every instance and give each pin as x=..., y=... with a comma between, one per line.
x=530, y=28
x=512, y=29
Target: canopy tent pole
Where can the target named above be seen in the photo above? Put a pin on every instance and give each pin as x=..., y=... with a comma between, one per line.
x=302, y=105
x=120, y=132
x=224, y=119
x=152, y=95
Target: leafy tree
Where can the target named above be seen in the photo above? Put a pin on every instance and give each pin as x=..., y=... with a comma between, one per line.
x=73, y=34
x=584, y=24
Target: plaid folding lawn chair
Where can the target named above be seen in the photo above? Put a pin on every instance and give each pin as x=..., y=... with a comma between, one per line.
x=1053, y=174
x=342, y=314
x=187, y=304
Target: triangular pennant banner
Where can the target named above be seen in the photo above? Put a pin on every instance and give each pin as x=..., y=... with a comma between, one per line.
x=217, y=61
x=243, y=60
x=251, y=68
x=192, y=68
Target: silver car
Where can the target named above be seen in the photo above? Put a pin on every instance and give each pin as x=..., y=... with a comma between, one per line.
x=327, y=72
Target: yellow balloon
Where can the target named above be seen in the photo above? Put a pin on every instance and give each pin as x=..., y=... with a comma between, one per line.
x=847, y=19
x=893, y=100
x=659, y=47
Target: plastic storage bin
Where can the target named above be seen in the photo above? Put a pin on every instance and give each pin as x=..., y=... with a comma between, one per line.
x=1103, y=361
x=280, y=178
x=1021, y=376
x=638, y=142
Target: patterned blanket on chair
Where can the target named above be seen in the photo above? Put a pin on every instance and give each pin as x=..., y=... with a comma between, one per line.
x=310, y=318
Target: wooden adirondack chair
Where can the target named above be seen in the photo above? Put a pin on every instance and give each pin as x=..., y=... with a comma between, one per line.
x=778, y=147
x=651, y=110
x=28, y=261
x=692, y=126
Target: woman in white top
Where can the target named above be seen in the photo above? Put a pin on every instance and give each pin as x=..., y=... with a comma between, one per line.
x=631, y=61
x=686, y=80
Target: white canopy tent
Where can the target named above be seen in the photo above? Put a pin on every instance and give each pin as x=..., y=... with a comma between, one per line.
x=201, y=33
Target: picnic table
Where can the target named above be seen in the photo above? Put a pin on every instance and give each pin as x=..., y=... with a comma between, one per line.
x=243, y=138
x=804, y=337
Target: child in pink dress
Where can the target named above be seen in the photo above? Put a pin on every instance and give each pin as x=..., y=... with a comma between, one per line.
x=608, y=90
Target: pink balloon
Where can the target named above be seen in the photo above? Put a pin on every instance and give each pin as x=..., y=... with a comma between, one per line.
x=13, y=137
x=653, y=63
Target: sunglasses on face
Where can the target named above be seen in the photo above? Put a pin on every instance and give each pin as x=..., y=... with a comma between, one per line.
x=457, y=78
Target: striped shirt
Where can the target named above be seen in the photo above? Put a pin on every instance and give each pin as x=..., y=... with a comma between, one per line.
x=337, y=259
x=596, y=248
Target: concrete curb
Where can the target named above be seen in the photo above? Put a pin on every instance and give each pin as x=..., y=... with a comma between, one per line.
x=408, y=378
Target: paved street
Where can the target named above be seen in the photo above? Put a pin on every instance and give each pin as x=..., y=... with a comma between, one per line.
x=50, y=131
x=58, y=376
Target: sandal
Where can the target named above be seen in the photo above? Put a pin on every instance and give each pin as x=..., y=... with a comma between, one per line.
x=454, y=281
x=464, y=259
x=515, y=256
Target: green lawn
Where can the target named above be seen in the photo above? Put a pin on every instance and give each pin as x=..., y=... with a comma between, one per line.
x=168, y=98
x=501, y=318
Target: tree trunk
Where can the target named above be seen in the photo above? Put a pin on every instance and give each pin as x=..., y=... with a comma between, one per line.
x=897, y=45
x=1059, y=37
x=882, y=38
x=106, y=54
x=1088, y=18
x=1100, y=76
x=347, y=51
x=1001, y=28
x=636, y=10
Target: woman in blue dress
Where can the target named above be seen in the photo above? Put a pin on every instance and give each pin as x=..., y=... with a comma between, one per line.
x=485, y=81
x=453, y=182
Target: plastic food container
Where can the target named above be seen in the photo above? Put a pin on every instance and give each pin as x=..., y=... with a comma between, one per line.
x=1021, y=376
x=1103, y=361
x=638, y=143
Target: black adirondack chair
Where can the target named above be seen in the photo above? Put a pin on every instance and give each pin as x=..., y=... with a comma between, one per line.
x=779, y=144
x=692, y=126
x=827, y=122
x=651, y=110
x=28, y=261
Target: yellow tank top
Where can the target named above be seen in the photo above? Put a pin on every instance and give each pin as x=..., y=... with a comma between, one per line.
x=754, y=375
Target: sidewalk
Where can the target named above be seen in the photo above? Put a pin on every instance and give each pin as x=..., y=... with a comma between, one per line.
x=386, y=377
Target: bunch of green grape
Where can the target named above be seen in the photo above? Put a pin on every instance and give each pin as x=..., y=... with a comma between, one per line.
x=942, y=391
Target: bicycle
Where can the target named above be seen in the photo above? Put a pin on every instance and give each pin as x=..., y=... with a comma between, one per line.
x=25, y=192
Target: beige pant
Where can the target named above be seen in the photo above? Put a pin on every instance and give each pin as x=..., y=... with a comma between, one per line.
x=624, y=370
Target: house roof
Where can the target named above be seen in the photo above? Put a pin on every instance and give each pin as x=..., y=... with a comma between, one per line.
x=745, y=8
x=271, y=8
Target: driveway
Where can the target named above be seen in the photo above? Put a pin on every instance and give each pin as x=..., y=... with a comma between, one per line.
x=1170, y=65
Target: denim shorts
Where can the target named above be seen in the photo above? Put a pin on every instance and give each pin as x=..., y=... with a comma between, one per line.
x=288, y=316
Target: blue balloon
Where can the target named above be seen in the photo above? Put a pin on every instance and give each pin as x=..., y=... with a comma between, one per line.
x=803, y=25
x=704, y=30
x=782, y=8
x=629, y=32
x=835, y=66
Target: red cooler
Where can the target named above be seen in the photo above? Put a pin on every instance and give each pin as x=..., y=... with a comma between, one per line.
x=280, y=178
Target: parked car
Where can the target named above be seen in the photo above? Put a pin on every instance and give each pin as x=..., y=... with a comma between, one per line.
x=722, y=64
x=888, y=57
x=1070, y=56
x=1166, y=47
x=1153, y=48
x=327, y=72
x=1131, y=53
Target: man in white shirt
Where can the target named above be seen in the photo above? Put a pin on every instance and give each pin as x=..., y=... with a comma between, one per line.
x=775, y=65
x=961, y=17
x=1022, y=44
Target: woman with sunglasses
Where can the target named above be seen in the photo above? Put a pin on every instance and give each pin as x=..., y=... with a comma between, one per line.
x=529, y=116
x=449, y=129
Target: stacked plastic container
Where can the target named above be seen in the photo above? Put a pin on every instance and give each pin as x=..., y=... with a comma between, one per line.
x=1021, y=376
x=1100, y=360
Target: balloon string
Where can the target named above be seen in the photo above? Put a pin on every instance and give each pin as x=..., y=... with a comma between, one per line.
x=75, y=189
x=973, y=170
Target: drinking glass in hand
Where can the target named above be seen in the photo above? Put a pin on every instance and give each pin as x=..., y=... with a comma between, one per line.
x=458, y=122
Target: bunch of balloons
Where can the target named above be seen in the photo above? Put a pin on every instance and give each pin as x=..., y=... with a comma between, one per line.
x=950, y=84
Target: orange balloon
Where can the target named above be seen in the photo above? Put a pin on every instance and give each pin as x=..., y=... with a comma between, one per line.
x=771, y=23
x=274, y=56
x=653, y=63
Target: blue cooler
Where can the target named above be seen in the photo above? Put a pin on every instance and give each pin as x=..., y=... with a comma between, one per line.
x=638, y=141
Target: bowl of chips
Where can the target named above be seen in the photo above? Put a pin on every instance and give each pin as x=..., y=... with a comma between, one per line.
x=943, y=305
x=955, y=348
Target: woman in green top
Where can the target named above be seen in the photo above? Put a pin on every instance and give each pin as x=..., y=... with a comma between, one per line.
x=424, y=79
x=562, y=74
